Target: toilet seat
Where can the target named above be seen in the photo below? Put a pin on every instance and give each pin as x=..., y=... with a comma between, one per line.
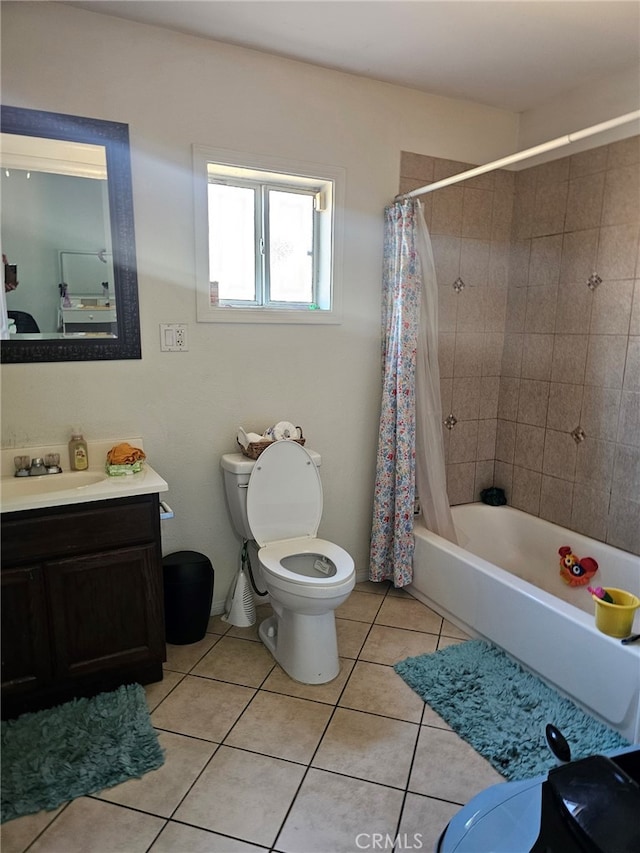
x=271, y=557
x=284, y=508
x=284, y=494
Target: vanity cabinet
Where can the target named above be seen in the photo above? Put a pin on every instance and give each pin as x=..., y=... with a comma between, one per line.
x=82, y=601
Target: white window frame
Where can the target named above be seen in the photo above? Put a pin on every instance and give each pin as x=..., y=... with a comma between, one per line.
x=331, y=179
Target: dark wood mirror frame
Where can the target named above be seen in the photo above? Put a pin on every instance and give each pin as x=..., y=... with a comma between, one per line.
x=114, y=137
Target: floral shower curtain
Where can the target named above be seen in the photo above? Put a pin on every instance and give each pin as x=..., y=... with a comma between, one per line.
x=407, y=250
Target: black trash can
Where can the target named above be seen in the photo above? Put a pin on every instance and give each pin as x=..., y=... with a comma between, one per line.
x=188, y=593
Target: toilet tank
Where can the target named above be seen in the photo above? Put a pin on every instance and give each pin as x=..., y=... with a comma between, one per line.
x=237, y=471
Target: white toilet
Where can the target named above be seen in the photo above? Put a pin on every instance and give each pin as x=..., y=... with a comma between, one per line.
x=277, y=501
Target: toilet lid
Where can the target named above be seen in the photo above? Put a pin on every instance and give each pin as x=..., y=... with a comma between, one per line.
x=284, y=495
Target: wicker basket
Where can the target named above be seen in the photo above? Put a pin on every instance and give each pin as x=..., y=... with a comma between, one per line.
x=255, y=448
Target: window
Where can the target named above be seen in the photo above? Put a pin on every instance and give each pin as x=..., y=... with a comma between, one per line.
x=268, y=239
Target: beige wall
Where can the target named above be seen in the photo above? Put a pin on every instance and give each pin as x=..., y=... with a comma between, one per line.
x=175, y=90
x=528, y=352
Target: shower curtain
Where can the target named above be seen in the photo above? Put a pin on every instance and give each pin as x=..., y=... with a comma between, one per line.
x=411, y=412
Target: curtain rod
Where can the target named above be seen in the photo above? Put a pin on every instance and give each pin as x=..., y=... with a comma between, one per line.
x=559, y=142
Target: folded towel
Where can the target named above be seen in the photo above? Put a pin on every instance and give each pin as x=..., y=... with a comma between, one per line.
x=125, y=454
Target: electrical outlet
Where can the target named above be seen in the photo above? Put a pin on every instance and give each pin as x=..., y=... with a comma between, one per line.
x=173, y=337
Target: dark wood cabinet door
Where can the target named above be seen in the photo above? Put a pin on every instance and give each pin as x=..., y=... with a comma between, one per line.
x=26, y=653
x=106, y=611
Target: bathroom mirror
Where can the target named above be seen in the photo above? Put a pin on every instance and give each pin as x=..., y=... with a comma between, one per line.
x=68, y=235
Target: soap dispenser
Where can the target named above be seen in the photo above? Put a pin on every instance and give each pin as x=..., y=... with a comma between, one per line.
x=78, y=454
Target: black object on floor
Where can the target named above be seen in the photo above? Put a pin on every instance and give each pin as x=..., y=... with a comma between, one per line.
x=188, y=593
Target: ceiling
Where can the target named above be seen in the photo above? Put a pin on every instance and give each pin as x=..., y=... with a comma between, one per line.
x=511, y=54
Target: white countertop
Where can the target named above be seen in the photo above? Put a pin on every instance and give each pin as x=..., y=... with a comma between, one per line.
x=23, y=493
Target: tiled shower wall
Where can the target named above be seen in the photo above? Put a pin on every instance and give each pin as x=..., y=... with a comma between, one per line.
x=540, y=335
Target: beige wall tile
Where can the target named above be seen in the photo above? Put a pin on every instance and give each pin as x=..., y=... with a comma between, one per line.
x=489, y=391
x=532, y=402
x=460, y=482
x=463, y=442
x=617, y=251
x=626, y=152
x=565, y=403
x=470, y=311
x=623, y=530
x=484, y=477
x=537, y=356
x=468, y=354
x=505, y=441
x=446, y=213
x=476, y=212
x=541, y=310
x=474, y=262
x=525, y=491
x=556, y=499
x=632, y=365
x=550, y=208
x=611, y=312
x=508, y=398
x=590, y=511
x=626, y=473
x=588, y=162
x=600, y=410
x=529, y=447
x=621, y=196
x=487, y=430
x=606, y=360
x=465, y=401
x=511, y=365
x=594, y=463
x=634, y=326
x=492, y=353
x=569, y=359
x=417, y=166
x=559, y=455
x=629, y=422
x=579, y=253
x=584, y=202
x=544, y=261
x=495, y=308
x=573, y=309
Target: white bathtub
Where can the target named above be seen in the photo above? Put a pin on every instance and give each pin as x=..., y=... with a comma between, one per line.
x=502, y=583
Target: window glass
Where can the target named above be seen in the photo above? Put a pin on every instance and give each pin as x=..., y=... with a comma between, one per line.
x=290, y=247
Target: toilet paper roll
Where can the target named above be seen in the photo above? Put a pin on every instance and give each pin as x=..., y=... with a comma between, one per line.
x=285, y=430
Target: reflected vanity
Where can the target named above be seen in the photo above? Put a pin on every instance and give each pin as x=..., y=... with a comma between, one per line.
x=67, y=226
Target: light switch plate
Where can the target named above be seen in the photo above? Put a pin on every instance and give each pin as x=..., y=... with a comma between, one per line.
x=173, y=337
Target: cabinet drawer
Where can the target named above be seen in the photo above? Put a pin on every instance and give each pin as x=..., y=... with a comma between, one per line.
x=79, y=529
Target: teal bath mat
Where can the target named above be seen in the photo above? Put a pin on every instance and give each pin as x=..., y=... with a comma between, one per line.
x=81, y=747
x=501, y=710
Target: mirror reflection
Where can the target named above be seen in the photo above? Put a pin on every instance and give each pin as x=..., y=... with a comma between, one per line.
x=56, y=237
x=67, y=238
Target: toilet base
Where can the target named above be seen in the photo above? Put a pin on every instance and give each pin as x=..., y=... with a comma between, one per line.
x=305, y=646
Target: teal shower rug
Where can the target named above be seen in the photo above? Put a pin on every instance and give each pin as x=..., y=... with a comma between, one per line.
x=81, y=747
x=501, y=710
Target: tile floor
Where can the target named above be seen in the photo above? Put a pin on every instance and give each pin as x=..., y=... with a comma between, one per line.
x=258, y=762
